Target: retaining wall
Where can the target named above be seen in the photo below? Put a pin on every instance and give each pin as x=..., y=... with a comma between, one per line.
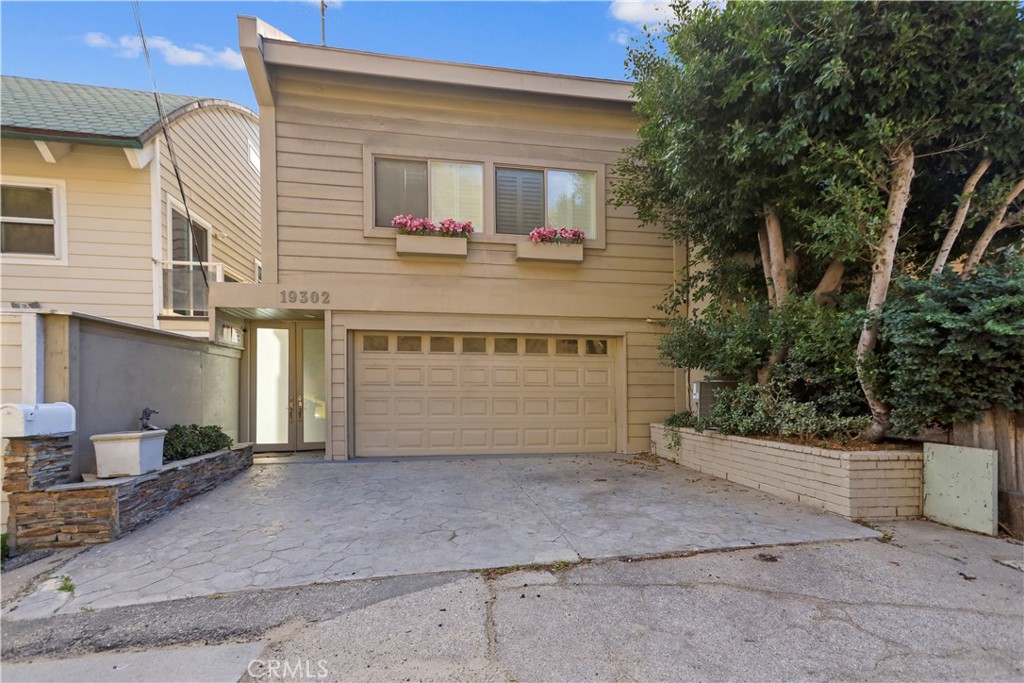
x=870, y=485
x=103, y=510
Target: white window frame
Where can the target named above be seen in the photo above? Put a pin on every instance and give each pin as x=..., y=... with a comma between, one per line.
x=257, y=271
x=253, y=153
x=175, y=205
x=598, y=197
x=60, y=222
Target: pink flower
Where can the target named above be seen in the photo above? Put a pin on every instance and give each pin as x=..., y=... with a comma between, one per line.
x=449, y=227
x=557, y=235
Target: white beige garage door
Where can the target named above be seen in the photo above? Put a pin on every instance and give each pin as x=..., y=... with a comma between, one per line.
x=433, y=394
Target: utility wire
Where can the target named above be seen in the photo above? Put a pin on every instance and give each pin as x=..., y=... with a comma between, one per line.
x=170, y=145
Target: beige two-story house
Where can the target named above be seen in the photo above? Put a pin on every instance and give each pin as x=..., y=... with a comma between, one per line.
x=364, y=344
x=93, y=219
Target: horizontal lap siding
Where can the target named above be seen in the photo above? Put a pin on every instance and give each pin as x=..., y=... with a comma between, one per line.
x=10, y=358
x=650, y=388
x=109, y=270
x=212, y=147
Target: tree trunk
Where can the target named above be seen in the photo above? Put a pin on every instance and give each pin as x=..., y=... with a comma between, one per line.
x=995, y=225
x=961, y=215
x=766, y=265
x=830, y=282
x=881, y=275
x=776, y=254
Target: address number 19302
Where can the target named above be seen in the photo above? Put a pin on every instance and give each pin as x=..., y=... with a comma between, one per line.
x=304, y=296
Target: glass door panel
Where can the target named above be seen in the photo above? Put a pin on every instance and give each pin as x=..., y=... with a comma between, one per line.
x=313, y=413
x=273, y=387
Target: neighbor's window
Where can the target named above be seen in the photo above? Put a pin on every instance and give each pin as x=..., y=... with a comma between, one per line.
x=428, y=189
x=28, y=223
x=529, y=198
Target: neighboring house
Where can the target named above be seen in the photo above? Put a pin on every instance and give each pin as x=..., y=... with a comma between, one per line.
x=361, y=350
x=92, y=218
x=92, y=222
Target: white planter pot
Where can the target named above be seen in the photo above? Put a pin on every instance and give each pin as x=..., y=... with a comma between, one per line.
x=128, y=454
x=431, y=245
x=549, y=251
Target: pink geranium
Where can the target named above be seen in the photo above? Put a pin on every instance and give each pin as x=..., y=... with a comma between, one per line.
x=557, y=235
x=449, y=227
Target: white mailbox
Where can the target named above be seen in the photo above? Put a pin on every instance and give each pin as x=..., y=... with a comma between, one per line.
x=39, y=419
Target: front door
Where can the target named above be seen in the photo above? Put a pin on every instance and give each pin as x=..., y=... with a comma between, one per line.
x=288, y=404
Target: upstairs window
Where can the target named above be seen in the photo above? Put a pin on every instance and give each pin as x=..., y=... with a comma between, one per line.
x=28, y=220
x=428, y=189
x=531, y=198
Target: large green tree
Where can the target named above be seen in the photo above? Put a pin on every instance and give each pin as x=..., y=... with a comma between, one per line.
x=833, y=142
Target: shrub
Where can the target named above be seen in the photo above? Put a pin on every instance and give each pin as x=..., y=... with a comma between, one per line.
x=770, y=410
x=952, y=347
x=730, y=344
x=821, y=363
x=186, y=441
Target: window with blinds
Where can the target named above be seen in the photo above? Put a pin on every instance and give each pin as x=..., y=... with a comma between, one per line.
x=528, y=198
x=428, y=189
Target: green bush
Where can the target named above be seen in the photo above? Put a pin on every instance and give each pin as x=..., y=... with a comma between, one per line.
x=770, y=410
x=820, y=366
x=952, y=347
x=186, y=441
x=730, y=344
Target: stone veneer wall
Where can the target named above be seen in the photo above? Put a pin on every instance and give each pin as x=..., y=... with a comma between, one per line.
x=103, y=510
x=36, y=462
x=870, y=485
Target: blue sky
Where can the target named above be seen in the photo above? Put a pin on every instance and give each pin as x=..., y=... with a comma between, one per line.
x=195, y=44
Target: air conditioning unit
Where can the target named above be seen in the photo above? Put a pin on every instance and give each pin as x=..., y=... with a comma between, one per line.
x=703, y=394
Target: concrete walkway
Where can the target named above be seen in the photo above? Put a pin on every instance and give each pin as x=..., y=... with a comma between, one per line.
x=281, y=525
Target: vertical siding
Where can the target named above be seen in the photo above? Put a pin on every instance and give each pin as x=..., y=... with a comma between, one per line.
x=223, y=188
x=109, y=269
x=339, y=387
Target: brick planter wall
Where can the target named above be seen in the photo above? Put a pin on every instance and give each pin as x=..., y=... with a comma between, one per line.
x=871, y=485
x=103, y=510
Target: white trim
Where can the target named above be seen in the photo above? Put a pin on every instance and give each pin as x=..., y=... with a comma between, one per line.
x=31, y=359
x=140, y=158
x=172, y=205
x=52, y=152
x=257, y=271
x=156, y=229
x=254, y=154
x=60, y=222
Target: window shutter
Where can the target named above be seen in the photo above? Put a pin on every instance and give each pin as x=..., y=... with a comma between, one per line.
x=519, y=200
x=400, y=188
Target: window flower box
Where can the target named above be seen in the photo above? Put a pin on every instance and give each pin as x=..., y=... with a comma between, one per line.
x=430, y=245
x=549, y=251
x=421, y=236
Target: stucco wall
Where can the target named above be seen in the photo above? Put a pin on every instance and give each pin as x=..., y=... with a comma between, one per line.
x=116, y=370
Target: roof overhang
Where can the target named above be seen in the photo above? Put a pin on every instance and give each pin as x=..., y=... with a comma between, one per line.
x=264, y=48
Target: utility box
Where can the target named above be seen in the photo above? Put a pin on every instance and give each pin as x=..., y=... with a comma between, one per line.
x=703, y=394
x=39, y=419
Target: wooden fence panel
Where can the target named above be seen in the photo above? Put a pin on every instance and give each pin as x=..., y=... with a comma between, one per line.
x=1002, y=430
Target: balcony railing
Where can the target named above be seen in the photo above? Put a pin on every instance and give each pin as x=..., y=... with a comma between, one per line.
x=185, y=293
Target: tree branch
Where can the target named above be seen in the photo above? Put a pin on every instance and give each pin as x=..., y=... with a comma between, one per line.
x=830, y=282
x=961, y=214
x=776, y=253
x=762, y=243
x=995, y=225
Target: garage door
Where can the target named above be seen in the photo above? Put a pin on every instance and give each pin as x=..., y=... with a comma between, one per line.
x=432, y=394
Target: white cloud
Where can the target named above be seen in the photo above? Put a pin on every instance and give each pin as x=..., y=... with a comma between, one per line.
x=130, y=47
x=621, y=36
x=640, y=11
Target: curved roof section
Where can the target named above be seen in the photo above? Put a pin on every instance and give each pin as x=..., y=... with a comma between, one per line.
x=73, y=112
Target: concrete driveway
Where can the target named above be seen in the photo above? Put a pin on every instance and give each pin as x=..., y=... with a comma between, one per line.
x=293, y=524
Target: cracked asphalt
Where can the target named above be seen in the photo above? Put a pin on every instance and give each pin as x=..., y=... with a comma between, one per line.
x=933, y=604
x=295, y=524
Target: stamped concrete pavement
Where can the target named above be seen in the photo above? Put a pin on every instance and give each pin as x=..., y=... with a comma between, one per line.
x=281, y=525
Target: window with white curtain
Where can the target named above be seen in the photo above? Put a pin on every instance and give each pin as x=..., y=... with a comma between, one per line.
x=428, y=189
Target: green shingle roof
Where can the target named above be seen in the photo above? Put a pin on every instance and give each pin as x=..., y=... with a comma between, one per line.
x=68, y=112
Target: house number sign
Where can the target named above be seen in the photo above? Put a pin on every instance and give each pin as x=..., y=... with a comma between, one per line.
x=304, y=296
